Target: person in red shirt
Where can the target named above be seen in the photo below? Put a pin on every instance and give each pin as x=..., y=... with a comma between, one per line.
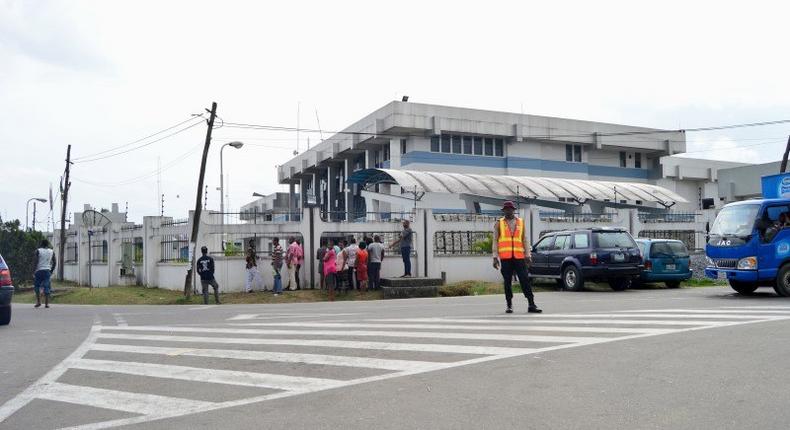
x=362, y=267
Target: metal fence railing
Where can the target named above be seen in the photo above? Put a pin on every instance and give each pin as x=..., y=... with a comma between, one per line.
x=98, y=250
x=562, y=216
x=258, y=217
x=462, y=242
x=466, y=217
x=686, y=236
x=174, y=222
x=656, y=217
x=132, y=227
x=72, y=253
x=341, y=216
x=174, y=248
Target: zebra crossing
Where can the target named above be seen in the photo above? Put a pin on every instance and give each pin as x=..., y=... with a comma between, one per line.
x=259, y=358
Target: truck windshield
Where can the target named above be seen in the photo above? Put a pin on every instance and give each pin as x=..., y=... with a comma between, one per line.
x=735, y=220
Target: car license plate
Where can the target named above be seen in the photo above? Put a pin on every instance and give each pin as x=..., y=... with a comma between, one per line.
x=617, y=257
x=670, y=267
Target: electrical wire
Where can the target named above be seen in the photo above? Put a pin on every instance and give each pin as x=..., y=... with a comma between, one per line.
x=138, y=140
x=147, y=175
x=140, y=146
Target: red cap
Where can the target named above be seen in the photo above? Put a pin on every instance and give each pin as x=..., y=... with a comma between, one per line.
x=508, y=204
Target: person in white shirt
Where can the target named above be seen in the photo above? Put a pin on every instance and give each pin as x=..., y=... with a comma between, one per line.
x=45, y=265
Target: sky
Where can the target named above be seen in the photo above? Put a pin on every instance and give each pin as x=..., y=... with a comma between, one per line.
x=103, y=74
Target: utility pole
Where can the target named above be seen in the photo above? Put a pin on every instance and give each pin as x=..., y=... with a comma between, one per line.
x=198, y=207
x=34, y=216
x=64, y=203
x=784, y=158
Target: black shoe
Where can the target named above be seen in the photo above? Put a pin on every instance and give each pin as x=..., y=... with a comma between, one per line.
x=509, y=310
x=534, y=309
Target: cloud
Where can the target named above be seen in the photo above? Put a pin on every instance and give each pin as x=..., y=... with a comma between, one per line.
x=46, y=32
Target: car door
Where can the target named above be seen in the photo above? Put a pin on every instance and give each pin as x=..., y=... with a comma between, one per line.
x=559, y=250
x=540, y=255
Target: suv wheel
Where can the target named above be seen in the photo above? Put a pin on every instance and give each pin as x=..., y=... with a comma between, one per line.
x=572, y=278
x=745, y=288
x=782, y=286
x=620, y=284
x=5, y=315
x=673, y=284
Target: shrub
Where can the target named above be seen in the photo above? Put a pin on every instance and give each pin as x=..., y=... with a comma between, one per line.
x=18, y=248
x=484, y=246
x=454, y=290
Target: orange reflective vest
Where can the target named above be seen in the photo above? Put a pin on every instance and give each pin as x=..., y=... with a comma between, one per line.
x=510, y=244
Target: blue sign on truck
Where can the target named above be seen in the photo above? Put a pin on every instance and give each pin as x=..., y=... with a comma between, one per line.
x=749, y=242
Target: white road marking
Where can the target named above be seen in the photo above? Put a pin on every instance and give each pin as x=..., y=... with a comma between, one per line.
x=232, y=377
x=374, y=333
x=293, y=385
x=384, y=346
x=240, y=354
x=638, y=315
x=756, y=313
x=278, y=316
x=136, y=403
x=468, y=326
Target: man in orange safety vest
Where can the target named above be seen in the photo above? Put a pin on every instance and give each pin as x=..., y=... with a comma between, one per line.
x=511, y=255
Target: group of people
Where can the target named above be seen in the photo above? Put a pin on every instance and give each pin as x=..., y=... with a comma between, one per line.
x=291, y=257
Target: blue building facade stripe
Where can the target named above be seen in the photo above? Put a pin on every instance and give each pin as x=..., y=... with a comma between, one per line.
x=521, y=163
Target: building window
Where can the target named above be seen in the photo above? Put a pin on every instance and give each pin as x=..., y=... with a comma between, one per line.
x=386, y=153
x=445, y=143
x=638, y=160
x=456, y=144
x=478, y=145
x=489, y=146
x=573, y=153
x=403, y=146
x=435, y=144
x=468, y=145
x=622, y=158
x=499, y=147
x=639, y=202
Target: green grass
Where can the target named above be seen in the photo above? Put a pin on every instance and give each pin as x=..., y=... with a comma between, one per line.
x=479, y=288
x=116, y=295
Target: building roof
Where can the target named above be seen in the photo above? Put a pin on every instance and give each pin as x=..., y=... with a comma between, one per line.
x=510, y=186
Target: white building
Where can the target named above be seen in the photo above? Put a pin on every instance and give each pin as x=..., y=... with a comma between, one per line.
x=431, y=138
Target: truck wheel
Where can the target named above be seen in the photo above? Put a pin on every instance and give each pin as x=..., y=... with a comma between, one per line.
x=745, y=288
x=673, y=284
x=572, y=278
x=5, y=315
x=620, y=284
x=782, y=286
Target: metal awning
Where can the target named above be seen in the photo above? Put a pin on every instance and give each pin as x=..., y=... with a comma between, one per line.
x=524, y=186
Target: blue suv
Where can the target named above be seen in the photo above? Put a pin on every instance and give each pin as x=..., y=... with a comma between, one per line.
x=666, y=261
x=592, y=254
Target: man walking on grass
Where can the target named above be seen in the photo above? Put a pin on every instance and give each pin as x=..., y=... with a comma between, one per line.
x=45, y=265
x=205, y=268
x=512, y=253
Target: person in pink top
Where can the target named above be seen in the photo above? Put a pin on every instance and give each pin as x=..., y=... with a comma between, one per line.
x=292, y=257
x=299, y=263
x=330, y=270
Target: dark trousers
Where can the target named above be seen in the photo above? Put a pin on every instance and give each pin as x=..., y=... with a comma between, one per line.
x=298, y=266
x=405, y=253
x=205, y=283
x=519, y=267
x=351, y=273
x=374, y=274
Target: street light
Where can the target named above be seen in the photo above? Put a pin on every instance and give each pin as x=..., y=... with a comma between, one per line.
x=27, y=210
x=236, y=145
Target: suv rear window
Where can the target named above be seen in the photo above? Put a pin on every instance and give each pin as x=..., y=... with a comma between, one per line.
x=2, y=263
x=613, y=239
x=675, y=249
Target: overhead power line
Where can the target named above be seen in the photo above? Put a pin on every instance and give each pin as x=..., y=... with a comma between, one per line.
x=138, y=140
x=140, y=146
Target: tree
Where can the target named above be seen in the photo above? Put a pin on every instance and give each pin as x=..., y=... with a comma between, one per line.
x=18, y=248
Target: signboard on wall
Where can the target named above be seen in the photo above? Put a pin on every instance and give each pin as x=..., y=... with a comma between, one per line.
x=776, y=186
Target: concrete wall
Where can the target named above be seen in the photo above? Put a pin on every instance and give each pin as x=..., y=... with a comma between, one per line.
x=740, y=183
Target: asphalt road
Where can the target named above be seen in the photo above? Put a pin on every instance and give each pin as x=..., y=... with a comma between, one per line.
x=700, y=358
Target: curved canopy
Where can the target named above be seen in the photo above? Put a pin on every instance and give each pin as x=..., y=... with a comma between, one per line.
x=509, y=186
